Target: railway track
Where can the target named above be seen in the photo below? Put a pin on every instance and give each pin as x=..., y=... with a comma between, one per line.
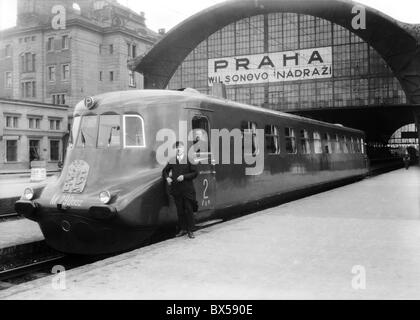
x=42, y=268
x=30, y=271
x=9, y=216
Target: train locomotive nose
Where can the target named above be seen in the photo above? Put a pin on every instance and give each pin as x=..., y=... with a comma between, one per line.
x=75, y=234
x=79, y=235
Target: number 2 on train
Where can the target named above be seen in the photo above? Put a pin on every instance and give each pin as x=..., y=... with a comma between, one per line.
x=206, y=200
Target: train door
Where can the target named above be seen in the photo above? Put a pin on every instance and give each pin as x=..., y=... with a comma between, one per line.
x=205, y=184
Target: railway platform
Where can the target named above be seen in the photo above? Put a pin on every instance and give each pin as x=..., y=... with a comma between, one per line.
x=12, y=187
x=360, y=241
x=18, y=237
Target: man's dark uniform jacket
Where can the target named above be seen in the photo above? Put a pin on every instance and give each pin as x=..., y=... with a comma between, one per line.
x=188, y=170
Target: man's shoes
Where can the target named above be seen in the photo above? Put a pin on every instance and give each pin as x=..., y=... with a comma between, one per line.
x=191, y=235
x=181, y=233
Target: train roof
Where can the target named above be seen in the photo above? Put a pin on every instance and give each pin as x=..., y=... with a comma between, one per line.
x=126, y=98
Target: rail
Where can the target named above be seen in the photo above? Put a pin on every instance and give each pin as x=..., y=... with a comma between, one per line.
x=30, y=268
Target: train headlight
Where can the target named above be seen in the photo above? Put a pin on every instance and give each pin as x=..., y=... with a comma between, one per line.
x=105, y=197
x=28, y=194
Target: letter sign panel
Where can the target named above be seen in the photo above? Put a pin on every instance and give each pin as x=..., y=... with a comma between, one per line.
x=306, y=64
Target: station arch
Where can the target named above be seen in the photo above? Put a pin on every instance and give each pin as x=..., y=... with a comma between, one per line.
x=376, y=70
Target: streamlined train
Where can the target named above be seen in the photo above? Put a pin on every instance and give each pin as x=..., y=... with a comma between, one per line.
x=110, y=196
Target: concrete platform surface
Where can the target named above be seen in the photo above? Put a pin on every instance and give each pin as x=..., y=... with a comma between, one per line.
x=18, y=232
x=361, y=241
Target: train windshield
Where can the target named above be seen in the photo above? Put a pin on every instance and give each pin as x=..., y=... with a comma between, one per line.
x=88, y=132
x=109, y=131
x=74, y=130
x=134, y=132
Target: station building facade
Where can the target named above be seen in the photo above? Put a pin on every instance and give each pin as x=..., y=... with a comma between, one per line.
x=356, y=74
x=304, y=57
x=29, y=132
x=84, y=56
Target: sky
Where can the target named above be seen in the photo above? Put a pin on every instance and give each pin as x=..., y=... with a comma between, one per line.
x=168, y=13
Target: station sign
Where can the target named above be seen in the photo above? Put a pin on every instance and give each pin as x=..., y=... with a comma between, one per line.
x=38, y=171
x=306, y=64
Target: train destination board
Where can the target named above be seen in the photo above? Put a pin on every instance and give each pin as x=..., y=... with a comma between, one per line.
x=307, y=64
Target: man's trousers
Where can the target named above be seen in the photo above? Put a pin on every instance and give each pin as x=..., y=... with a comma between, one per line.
x=184, y=207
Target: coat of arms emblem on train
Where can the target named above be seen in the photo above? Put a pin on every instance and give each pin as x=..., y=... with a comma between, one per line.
x=76, y=177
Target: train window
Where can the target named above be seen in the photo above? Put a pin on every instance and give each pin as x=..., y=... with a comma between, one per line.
x=134, y=132
x=109, y=131
x=345, y=146
x=305, y=144
x=351, y=149
x=362, y=146
x=250, y=129
x=74, y=131
x=290, y=140
x=337, y=146
x=317, y=143
x=327, y=143
x=88, y=132
x=357, y=145
x=272, y=139
x=201, y=130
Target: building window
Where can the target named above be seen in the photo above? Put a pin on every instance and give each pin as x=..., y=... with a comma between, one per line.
x=111, y=49
x=65, y=42
x=34, y=123
x=111, y=76
x=8, y=80
x=12, y=121
x=131, y=79
x=59, y=99
x=34, y=150
x=290, y=140
x=27, y=62
x=51, y=73
x=8, y=51
x=131, y=50
x=100, y=75
x=55, y=124
x=11, y=150
x=50, y=44
x=28, y=89
x=54, y=150
x=65, y=72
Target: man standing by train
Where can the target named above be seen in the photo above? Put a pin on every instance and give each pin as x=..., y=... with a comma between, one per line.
x=179, y=173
